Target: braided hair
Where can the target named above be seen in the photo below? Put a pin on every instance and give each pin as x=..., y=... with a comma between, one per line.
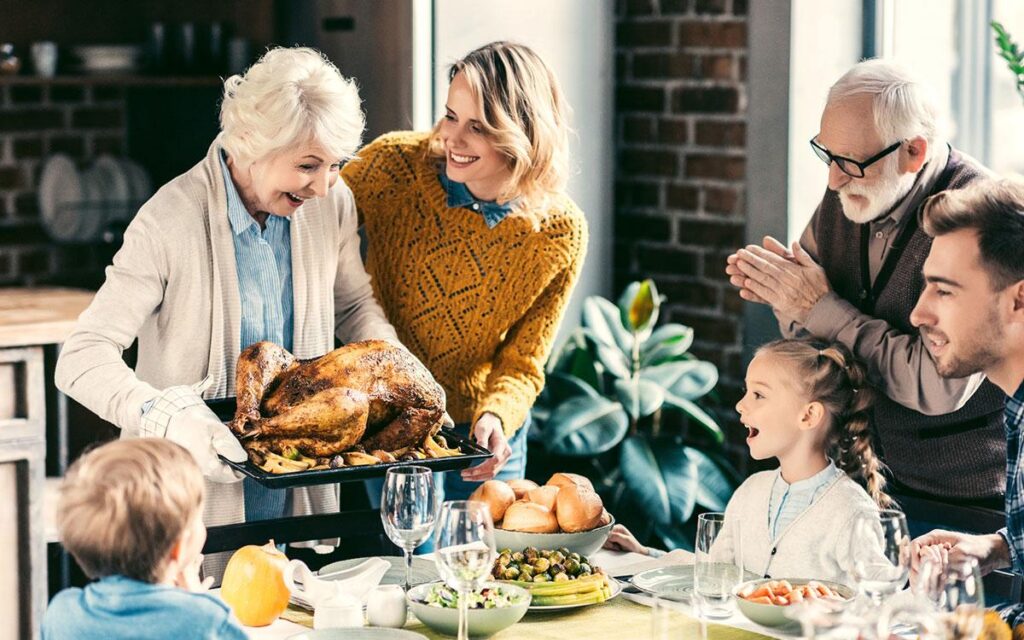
x=839, y=382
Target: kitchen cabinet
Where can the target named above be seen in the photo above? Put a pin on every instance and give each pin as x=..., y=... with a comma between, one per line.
x=33, y=323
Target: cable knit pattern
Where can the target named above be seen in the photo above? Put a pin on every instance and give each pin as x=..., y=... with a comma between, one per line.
x=480, y=307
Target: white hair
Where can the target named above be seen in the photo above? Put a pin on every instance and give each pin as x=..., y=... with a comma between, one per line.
x=291, y=96
x=904, y=108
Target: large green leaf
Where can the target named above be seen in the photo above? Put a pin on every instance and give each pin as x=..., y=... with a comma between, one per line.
x=562, y=386
x=663, y=480
x=639, y=397
x=585, y=426
x=605, y=323
x=576, y=359
x=714, y=488
x=614, y=360
x=697, y=414
x=690, y=379
x=668, y=342
x=638, y=308
x=676, y=536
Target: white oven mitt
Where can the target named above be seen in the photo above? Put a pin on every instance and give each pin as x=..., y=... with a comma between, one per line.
x=180, y=415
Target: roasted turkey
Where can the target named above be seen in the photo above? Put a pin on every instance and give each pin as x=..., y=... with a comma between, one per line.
x=370, y=393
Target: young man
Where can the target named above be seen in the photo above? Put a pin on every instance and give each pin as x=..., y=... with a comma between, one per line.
x=971, y=317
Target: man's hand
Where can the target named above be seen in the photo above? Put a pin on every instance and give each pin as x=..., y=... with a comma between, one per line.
x=791, y=282
x=736, y=277
x=489, y=434
x=951, y=547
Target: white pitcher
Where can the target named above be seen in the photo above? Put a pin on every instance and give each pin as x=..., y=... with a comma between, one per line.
x=357, y=582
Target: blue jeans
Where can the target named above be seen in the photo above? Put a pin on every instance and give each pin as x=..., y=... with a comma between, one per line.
x=449, y=485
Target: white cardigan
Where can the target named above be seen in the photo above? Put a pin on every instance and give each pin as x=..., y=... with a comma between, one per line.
x=815, y=545
x=173, y=285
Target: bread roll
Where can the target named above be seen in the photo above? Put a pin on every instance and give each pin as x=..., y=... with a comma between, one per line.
x=578, y=509
x=605, y=519
x=521, y=487
x=496, y=495
x=570, y=480
x=529, y=517
x=543, y=495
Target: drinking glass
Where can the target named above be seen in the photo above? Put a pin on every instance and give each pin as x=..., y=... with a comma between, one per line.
x=963, y=599
x=464, y=552
x=880, y=554
x=715, y=572
x=408, y=508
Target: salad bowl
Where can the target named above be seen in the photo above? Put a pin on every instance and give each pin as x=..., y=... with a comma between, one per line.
x=495, y=607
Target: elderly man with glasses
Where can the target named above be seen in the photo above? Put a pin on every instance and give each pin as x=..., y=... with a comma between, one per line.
x=855, y=275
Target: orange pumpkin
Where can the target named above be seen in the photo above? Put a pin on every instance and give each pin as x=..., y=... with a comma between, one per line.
x=253, y=585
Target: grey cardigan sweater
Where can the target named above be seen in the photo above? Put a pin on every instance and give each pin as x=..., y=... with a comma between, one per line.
x=173, y=285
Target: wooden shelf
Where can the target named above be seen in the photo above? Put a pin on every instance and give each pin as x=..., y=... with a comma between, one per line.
x=124, y=80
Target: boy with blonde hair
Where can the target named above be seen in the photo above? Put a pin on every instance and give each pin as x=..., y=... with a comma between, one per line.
x=130, y=512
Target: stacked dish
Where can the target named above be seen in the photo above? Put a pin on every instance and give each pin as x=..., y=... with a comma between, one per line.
x=79, y=206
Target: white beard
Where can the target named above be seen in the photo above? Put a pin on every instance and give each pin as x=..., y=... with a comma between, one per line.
x=891, y=187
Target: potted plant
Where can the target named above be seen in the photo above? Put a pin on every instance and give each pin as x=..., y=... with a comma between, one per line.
x=1012, y=54
x=621, y=406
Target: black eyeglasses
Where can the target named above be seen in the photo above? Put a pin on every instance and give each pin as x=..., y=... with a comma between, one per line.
x=851, y=167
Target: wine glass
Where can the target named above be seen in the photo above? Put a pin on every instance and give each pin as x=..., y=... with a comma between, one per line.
x=464, y=551
x=408, y=507
x=880, y=554
x=963, y=599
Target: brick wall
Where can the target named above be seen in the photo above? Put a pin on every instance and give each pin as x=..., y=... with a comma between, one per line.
x=83, y=121
x=681, y=133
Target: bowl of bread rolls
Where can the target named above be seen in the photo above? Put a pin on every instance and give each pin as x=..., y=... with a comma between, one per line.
x=564, y=512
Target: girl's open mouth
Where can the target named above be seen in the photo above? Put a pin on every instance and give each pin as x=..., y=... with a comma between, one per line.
x=751, y=432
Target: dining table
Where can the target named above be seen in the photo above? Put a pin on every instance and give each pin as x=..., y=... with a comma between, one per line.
x=629, y=615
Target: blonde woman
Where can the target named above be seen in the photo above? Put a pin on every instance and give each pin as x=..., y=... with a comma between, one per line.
x=473, y=245
x=256, y=242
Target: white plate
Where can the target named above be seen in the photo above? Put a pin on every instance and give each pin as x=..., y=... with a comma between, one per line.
x=616, y=588
x=60, y=189
x=423, y=570
x=91, y=215
x=115, y=179
x=359, y=633
x=672, y=583
x=138, y=181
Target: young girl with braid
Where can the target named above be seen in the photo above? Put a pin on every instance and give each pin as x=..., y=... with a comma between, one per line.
x=806, y=405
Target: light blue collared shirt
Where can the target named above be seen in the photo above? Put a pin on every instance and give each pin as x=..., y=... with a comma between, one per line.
x=460, y=196
x=264, y=265
x=788, y=501
x=118, y=607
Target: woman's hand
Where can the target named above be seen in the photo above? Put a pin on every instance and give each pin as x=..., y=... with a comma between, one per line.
x=621, y=539
x=489, y=434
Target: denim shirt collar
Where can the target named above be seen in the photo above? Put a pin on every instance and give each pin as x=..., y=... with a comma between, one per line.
x=238, y=215
x=459, y=196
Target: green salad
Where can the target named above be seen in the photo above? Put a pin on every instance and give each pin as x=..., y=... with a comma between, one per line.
x=494, y=597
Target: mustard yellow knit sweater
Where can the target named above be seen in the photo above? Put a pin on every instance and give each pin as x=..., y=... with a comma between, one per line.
x=478, y=306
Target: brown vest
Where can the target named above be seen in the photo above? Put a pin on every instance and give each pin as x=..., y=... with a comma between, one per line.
x=959, y=455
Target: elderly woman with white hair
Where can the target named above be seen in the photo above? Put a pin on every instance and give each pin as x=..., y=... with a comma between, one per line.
x=258, y=241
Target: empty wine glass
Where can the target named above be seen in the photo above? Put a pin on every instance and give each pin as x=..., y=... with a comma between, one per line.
x=464, y=551
x=880, y=554
x=963, y=599
x=408, y=508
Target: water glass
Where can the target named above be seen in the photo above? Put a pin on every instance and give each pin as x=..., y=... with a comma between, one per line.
x=670, y=622
x=715, y=573
x=464, y=551
x=408, y=508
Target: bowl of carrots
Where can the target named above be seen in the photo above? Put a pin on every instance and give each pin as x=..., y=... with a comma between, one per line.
x=766, y=601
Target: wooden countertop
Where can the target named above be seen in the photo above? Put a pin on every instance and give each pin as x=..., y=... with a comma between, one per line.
x=39, y=315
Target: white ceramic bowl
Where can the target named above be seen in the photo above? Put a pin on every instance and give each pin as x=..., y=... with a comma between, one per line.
x=583, y=542
x=774, y=615
x=482, y=622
